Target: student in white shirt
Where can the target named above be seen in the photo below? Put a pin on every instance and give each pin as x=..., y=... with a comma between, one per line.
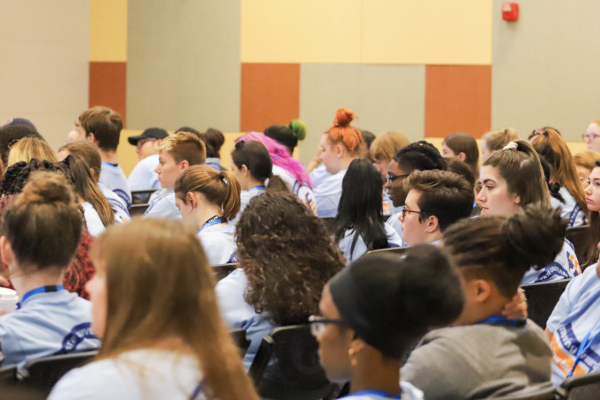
x=207, y=199
x=549, y=143
x=359, y=225
x=176, y=153
x=252, y=166
x=512, y=178
x=154, y=307
x=285, y=258
x=40, y=234
x=436, y=200
x=373, y=311
x=340, y=145
x=102, y=126
x=143, y=176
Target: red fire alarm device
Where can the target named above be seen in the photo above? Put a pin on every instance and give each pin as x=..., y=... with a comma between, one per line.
x=510, y=11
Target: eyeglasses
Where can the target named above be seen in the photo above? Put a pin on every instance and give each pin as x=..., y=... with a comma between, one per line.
x=392, y=178
x=407, y=210
x=318, y=324
x=11, y=144
x=590, y=136
x=142, y=142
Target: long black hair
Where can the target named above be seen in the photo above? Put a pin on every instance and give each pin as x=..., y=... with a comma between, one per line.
x=360, y=207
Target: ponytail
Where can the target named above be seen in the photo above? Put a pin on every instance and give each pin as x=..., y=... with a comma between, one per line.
x=231, y=202
x=276, y=184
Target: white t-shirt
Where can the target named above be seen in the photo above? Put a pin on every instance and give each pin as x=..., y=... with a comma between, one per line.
x=92, y=219
x=328, y=195
x=409, y=392
x=360, y=248
x=163, y=206
x=245, y=197
x=116, y=203
x=112, y=177
x=218, y=242
x=135, y=375
x=569, y=209
x=302, y=191
x=565, y=266
x=143, y=176
x=394, y=222
x=576, y=313
x=318, y=175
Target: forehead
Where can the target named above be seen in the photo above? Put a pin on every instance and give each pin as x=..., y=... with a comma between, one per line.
x=395, y=169
x=488, y=172
x=595, y=174
x=327, y=306
x=165, y=156
x=594, y=127
x=412, y=199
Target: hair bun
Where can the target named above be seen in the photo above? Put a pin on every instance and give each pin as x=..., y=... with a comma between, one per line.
x=343, y=117
x=298, y=129
x=46, y=188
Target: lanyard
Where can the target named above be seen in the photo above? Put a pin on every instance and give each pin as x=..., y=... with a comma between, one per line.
x=43, y=289
x=585, y=344
x=217, y=219
x=197, y=391
x=256, y=188
x=379, y=393
x=503, y=321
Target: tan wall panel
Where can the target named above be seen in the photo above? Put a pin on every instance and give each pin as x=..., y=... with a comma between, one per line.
x=183, y=64
x=545, y=68
x=383, y=97
x=108, y=30
x=44, y=69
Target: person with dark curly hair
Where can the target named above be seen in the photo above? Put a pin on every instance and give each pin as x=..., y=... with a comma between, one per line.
x=285, y=258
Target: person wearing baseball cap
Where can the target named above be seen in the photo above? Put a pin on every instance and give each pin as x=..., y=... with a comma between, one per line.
x=143, y=176
x=375, y=310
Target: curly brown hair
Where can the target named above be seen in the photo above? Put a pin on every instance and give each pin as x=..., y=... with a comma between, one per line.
x=287, y=255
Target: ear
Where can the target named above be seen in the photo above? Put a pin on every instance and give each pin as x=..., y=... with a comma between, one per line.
x=91, y=137
x=356, y=346
x=157, y=143
x=8, y=257
x=518, y=200
x=461, y=156
x=191, y=199
x=483, y=290
x=339, y=150
x=433, y=224
x=244, y=170
x=184, y=165
x=92, y=172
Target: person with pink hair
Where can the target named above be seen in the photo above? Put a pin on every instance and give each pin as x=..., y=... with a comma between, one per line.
x=287, y=168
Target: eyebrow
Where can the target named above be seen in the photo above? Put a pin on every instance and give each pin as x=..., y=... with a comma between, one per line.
x=488, y=180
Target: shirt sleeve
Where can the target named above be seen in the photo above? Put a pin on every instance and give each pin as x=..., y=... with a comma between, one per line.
x=162, y=208
x=106, y=384
x=139, y=179
x=230, y=296
x=565, y=304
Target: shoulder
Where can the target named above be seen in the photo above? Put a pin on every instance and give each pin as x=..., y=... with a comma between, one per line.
x=149, y=162
x=235, y=281
x=332, y=183
x=392, y=235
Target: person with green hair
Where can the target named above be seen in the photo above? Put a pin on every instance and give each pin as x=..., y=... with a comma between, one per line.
x=287, y=135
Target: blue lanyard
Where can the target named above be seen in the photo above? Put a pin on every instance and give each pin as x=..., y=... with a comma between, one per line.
x=111, y=164
x=503, y=321
x=43, y=289
x=379, y=393
x=585, y=344
x=256, y=188
x=217, y=219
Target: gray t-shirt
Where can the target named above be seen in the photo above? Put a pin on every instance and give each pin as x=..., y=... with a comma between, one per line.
x=479, y=361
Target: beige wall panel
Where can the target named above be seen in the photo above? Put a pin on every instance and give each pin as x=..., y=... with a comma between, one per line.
x=383, y=97
x=183, y=64
x=427, y=32
x=301, y=31
x=44, y=72
x=545, y=69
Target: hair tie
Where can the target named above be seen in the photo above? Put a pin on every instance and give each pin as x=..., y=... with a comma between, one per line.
x=511, y=146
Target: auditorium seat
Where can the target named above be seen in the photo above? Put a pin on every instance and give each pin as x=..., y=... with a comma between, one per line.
x=240, y=340
x=540, y=392
x=391, y=250
x=581, y=237
x=222, y=270
x=542, y=298
x=138, y=209
x=141, y=196
x=584, y=387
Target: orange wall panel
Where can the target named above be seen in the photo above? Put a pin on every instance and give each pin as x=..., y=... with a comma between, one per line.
x=270, y=95
x=457, y=99
x=108, y=84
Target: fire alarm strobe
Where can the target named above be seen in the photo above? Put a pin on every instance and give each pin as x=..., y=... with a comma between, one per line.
x=510, y=11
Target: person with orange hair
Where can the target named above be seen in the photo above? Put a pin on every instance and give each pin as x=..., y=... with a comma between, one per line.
x=340, y=145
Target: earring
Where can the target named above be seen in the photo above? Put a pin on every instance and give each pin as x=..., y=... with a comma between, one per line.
x=353, y=361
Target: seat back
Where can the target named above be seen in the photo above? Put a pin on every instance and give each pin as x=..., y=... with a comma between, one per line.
x=539, y=392
x=582, y=387
x=286, y=366
x=138, y=209
x=542, y=298
x=8, y=375
x=240, y=340
x=42, y=374
x=581, y=237
x=141, y=196
x=391, y=250
x=222, y=270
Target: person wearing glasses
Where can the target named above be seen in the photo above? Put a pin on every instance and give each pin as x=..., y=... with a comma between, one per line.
x=436, y=199
x=592, y=136
x=412, y=294
x=143, y=176
x=420, y=156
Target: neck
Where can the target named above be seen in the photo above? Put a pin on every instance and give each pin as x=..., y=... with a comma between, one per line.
x=384, y=377
x=109, y=156
x=206, y=212
x=479, y=312
x=345, y=162
x=24, y=282
x=253, y=183
x=437, y=235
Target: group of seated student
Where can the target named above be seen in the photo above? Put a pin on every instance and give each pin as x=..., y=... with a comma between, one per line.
x=160, y=320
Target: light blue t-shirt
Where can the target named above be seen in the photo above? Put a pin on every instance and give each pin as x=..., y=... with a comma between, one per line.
x=570, y=210
x=218, y=242
x=302, y=191
x=47, y=324
x=318, y=175
x=360, y=248
x=134, y=375
x=575, y=314
x=239, y=314
x=116, y=203
x=328, y=195
x=245, y=197
x=214, y=163
x=94, y=224
x=565, y=266
x=143, y=176
x=409, y=392
x=163, y=206
x=394, y=222
x=112, y=177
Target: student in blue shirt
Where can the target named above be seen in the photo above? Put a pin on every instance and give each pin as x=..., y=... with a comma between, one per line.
x=176, y=153
x=40, y=234
x=154, y=306
x=285, y=258
x=143, y=176
x=373, y=311
x=207, y=199
x=102, y=126
x=340, y=145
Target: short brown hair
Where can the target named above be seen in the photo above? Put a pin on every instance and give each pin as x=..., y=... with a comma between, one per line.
x=105, y=124
x=586, y=159
x=184, y=146
x=385, y=146
x=444, y=194
x=87, y=151
x=465, y=143
x=498, y=138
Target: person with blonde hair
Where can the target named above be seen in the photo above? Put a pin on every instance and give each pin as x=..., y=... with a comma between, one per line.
x=207, y=199
x=30, y=147
x=549, y=143
x=584, y=164
x=592, y=136
x=176, y=153
x=155, y=309
x=495, y=140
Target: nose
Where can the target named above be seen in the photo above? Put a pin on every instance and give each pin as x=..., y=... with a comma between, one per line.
x=588, y=190
x=401, y=217
x=480, y=197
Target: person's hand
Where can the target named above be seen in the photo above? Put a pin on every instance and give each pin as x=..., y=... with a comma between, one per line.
x=4, y=282
x=517, y=307
x=317, y=156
